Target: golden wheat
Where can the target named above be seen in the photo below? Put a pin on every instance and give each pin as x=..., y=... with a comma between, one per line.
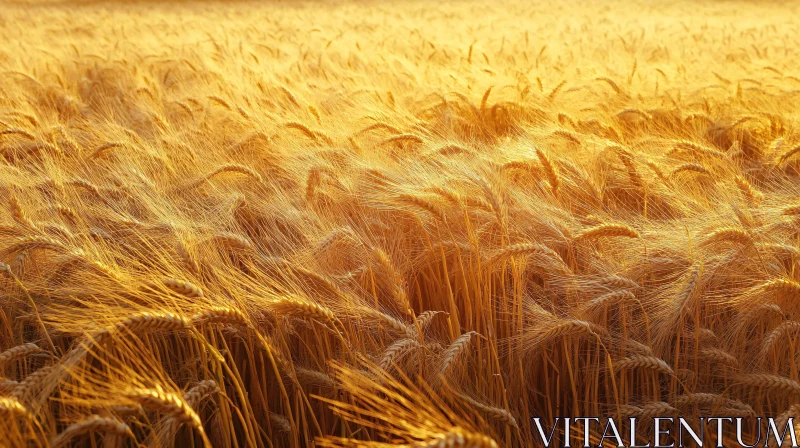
x=361, y=224
x=94, y=423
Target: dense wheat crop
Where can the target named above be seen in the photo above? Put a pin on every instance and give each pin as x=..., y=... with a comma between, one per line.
x=359, y=223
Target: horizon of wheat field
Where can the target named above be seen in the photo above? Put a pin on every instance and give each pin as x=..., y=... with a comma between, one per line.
x=366, y=224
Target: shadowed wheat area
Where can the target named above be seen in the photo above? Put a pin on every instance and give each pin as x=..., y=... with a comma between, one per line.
x=358, y=224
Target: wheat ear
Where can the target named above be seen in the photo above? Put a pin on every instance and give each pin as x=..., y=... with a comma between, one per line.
x=234, y=168
x=147, y=321
x=550, y=171
x=29, y=386
x=12, y=406
x=690, y=167
x=102, y=149
x=791, y=210
x=493, y=412
x=188, y=259
x=392, y=278
x=643, y=362
x=785, y=328
x=7, y=386
x=731, y=234
x=608, y=230
x=779, y=286
x=167, y=403
x=199, y=391
x=454, y=351
x=422, y=203
x=280, y=422
x=387, y=322
x=220, y=315
x=458, y=437
x=232, y=241
x=789, y=154
x=20, y=132
x=94, y=423
x=657, y=408
x=425, y=318
x=295, y=306
x=521, y=249
x=718, y=356
x=19, y=213
x=395, y=351
x=748, y=190
x=183, y=288
x=309, y=377
x=18, y=352
x=771, y=382
x=610, y=298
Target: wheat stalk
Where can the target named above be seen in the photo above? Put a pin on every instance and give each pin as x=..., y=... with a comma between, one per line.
x=316, y=136
x=392, y=278
x=638, y=348
x=19, y=213
x=38, y=242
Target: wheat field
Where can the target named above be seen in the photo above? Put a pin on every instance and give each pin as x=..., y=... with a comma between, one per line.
x=354, y=223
